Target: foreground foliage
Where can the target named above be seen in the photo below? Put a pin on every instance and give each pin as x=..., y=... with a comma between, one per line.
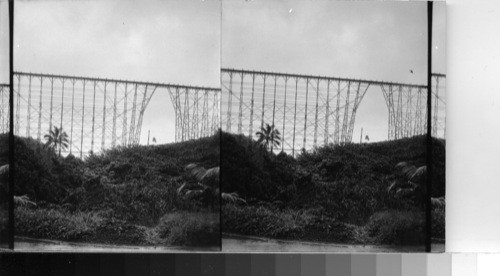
x=184, y=228
x=178, y=228
x=344, y=187
x=122, y=195
x=284, y=224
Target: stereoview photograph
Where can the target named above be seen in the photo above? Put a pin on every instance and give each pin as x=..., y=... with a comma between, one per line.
x=117, y=125
x=324, y=126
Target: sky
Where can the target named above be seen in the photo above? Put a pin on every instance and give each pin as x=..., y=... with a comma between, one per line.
x=4, y=42
x=375, y=40
x=174, y=41
x=186, y=42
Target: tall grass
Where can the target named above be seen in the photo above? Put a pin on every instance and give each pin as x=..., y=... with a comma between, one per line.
x=286, y=224
x=397, y=227
x=56, y=224
x=185, y=228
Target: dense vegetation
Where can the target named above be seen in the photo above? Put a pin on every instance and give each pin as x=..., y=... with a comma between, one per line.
x=335, y=193
x=125, y=195
x=4, y=191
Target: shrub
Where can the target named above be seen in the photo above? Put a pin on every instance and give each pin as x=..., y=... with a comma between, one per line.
x=34, y=164
x=190, y=229
x=55, y=224
x=253, y=172
x=397, y=227
x=309, y=224
x=138, y=202
x=75, y=226
x=112, y=230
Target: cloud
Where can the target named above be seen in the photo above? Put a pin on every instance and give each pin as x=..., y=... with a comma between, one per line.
x=158, y=41
x=379, y=40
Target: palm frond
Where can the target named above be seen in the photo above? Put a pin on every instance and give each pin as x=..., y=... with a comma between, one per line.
x=268, y=128
x=438, y=202
x=232, y=197
x=65, y=145
x=23, y=200
x=406, y=169
x=211, y=177
x=193, y=193
x=197, y=171
x=181, y=189
x=4, y=172
x=401, y=165
x=419, y=175
x=392, y=186
x=184, y=188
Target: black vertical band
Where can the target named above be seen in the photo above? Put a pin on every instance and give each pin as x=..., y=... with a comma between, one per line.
x=428, y=207
x=11, y=131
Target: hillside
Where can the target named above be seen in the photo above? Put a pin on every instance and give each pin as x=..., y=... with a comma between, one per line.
x=123, y=195
x=343, y=186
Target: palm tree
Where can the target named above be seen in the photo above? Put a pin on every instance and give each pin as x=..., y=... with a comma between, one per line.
x=57, y=139
x=268, y=137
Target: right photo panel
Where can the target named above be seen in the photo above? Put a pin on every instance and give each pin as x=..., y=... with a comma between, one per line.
x=325, y=121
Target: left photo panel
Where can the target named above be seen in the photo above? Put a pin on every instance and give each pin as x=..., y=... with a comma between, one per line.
x=5, y=225
x=116, y=111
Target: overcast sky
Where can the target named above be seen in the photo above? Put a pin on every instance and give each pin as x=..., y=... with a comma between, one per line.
x=377, y=40
x=175, y=41
x=178, y=41
x=4, y=42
